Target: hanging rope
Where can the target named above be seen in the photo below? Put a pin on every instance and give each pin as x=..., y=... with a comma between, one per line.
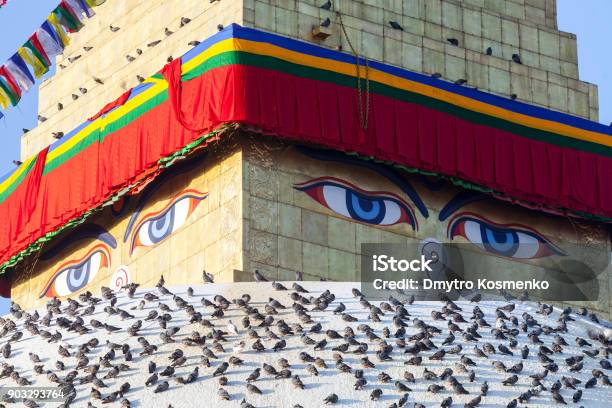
x=364, y=111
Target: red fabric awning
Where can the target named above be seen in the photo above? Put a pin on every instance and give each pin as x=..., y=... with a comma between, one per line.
x=532, y=166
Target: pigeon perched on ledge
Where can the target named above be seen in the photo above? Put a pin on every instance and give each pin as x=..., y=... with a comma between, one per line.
x=309, y=335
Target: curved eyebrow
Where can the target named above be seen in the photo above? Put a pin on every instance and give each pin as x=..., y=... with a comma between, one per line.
x=87, y=231
x=388, y=173
x=148, y=191
x=461, y=199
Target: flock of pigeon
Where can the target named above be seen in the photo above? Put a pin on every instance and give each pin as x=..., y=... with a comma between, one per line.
x=301, y=344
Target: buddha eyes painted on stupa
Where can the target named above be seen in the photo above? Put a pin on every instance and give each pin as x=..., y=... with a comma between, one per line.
x=75, y=273
x=394, y=201
x=507, y=240
x=352, y=202
x=155, y=227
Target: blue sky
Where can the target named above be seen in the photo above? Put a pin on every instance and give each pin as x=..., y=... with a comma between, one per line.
x=588, y=19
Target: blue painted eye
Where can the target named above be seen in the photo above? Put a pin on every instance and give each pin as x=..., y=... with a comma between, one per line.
x=76, y=277
x=504, y=240
x=158, y=228
x=345, y=199
x=73, y=276
x=154, y=228
x=500, y=240
x=367, y=209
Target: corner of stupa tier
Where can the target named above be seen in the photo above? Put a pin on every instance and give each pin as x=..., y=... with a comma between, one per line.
x=548, y=75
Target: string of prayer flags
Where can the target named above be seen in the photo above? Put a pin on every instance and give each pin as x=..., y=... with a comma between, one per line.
x=34, y=58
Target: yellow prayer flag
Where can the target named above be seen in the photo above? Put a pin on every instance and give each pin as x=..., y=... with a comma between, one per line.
x=39, y=68
x=4, y=99
x=52, y=19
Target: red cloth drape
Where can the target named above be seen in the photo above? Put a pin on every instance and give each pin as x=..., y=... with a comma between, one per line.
x=306, y=110
x=23, y=203
x=172, y=74
x=111, y=105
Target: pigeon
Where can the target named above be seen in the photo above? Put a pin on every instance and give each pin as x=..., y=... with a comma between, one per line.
x=517, y=58
x=253, y=389
x=208, y=277
x=453, y=41
x=435, y=388
x=484, y=389
x=396, y=26
x=259, y=277
x=254, y=375
x=510, y=380
x=558, y=398
x=221, y=369
x=330, y=399
x=474, y=402
x=161, y=387
x=223, y=394
x=167, y=372
x=376, y=394
x=327, y=5
x=590, y=383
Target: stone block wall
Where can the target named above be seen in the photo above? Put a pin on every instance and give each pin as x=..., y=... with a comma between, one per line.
x=290, y=228
x=548, y=76
x=140, y=23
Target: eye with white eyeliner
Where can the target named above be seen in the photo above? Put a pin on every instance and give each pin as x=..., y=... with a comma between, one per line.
x=72, y=276
x=512, y=241
x=156, y=227
x=347, y=200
